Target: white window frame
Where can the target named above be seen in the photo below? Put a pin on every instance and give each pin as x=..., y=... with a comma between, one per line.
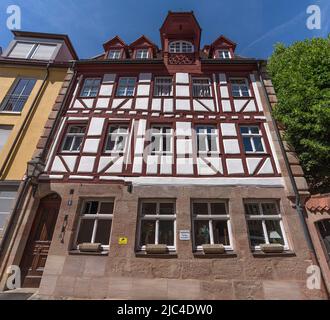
x=125, y=85
x=240, y=89
x=90, y=87
x=180, y=47
x=33, y=49
x=156, y=217
x=74, y=135
x=115, y=135
x=114, y=54
x=142, y=53
x=251, y=136
x=199, y=86
x=160, y=83
x=224, y=54
x=162, y=136
x=204, y=135
x=211, y=218
x=95, y=217
x=263, y=219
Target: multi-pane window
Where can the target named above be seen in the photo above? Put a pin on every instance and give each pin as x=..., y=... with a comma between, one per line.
x=163, y=86
x=324, y=230
x=5, y=132
x=142, y=54
x=224, y=54
x=161, y=140
x=264, y=223
x=95, y=223
x=37, y=51
x=202, y=88
x=252, y=139
x=211, y=223
x=91, y=87
x=126, y=87
x=73, y=138
x=16, y=99
x=114, y=54
x=207, y=139
x=117, y=138
x=240, y=87
x=7, y=201
x=181, y=47
x=157, y=223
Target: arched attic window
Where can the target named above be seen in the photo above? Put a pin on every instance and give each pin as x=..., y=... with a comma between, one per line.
x=181, y=47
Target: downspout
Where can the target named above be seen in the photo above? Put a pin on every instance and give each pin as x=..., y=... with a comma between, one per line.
x=298, y=205
x=25, y=122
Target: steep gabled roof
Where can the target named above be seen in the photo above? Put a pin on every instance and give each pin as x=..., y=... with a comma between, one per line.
x=114, y=42
x=223, y=40
x=143, y=40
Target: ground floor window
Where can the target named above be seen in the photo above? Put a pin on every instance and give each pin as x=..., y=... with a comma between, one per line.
x=211, y=223
x=157, y=223
x=265, y=223
x=7, y=202
x=95, y=222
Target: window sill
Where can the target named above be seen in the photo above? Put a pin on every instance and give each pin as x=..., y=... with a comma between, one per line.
x=80, y=253
x=14, y=113
x=168, y=255
x=202, y=255
x=286, y=253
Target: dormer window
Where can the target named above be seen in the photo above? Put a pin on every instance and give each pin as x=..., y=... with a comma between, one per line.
x=142, y=54
x=181, y=47
x=224, y=54
x=114, y=54
x=36, y=51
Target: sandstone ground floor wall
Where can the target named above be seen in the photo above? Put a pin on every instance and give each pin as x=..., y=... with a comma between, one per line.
x=122, y=274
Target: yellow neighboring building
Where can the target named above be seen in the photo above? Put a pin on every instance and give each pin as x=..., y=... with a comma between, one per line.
x=32, y=71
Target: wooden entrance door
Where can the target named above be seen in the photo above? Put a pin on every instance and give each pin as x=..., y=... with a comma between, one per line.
x=39, y=241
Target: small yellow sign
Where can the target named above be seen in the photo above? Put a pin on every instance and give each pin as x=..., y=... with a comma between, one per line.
x=122, y=240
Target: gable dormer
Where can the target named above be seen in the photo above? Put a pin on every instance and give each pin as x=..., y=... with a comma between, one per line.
x=143, y=48
x=221, y=48
x=180, y=38
x=115, y=48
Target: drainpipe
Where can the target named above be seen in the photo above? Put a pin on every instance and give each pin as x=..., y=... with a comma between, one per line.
x=299, y=207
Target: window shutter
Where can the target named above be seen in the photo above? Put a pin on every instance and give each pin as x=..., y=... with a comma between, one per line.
x=44, y=52
x=21, y=50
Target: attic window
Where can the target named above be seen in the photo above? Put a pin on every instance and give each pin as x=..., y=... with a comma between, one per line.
x=142, y=54
x=181, y=47
x=28, y=50
x=224, y=54
x=114, y=54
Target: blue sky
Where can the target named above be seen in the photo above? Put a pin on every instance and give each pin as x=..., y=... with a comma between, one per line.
x=255, y=25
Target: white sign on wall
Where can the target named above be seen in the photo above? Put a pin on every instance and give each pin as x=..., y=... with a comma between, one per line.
x=185, y=235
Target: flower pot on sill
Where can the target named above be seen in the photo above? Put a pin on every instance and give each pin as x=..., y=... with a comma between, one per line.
x=272, y=248
x=156, y=248
x=213, y=248
x=90, y=247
